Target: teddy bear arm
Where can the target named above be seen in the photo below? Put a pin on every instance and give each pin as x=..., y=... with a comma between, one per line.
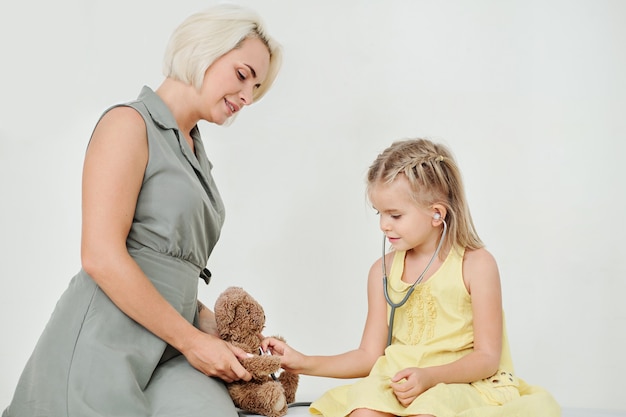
x=261, y=366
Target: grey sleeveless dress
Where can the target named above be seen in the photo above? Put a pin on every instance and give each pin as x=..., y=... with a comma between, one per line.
x=92, y=359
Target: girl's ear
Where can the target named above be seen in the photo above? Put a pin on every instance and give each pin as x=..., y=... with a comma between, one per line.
x=439, y=214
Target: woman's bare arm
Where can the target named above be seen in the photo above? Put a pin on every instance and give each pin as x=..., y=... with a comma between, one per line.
x=112, y=177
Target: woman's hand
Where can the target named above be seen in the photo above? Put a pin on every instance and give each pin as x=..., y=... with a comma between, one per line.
x=409, y=383
x=290, y=359
x=214, y=357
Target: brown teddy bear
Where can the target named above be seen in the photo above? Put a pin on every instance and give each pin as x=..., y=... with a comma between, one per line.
x=240, y=321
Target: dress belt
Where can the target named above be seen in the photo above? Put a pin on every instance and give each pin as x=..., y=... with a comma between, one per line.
x=205, y=275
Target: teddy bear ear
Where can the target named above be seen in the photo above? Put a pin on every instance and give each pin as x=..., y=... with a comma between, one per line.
x=227, y=302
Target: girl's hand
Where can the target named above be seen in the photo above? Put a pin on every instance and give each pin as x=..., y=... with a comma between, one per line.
x=290, y=359
x=214, y=357
x=409, y=383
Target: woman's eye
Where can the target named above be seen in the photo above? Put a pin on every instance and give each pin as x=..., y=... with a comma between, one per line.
x=241, y=76
x=395, y=216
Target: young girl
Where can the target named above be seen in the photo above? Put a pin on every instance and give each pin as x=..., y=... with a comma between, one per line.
x=434, y=342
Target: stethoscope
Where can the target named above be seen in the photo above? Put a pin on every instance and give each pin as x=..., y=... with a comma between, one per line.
x=393, y=305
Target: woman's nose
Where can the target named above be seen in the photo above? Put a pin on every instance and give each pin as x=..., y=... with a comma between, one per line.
x=246, y=96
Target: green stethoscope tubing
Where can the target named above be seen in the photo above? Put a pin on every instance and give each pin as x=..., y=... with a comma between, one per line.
x=399, y=304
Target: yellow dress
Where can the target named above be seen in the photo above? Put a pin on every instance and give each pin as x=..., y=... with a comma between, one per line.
x=435, y=327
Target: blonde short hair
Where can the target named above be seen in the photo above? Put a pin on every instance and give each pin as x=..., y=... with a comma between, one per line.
x=204, y=37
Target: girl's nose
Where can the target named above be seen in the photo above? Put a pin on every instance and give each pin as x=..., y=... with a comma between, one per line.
x=384, y=225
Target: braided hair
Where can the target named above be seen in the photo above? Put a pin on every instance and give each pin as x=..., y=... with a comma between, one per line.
x=435, y=178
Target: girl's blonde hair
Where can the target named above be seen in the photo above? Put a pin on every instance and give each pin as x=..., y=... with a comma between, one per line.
x=435, y=178
x=204, y=37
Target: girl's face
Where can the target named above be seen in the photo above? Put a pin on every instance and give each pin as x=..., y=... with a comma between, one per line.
x=230, y=81
x=402, y=220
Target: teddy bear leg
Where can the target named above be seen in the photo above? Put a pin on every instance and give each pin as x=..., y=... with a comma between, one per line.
x=289, y=382
x=267, y=398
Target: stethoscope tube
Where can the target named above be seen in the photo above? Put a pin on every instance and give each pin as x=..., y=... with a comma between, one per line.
x=399, y=304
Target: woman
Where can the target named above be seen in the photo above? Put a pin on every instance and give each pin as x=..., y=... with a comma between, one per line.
x=128, y=337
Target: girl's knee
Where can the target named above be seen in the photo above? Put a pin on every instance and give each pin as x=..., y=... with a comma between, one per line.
x=366, y=412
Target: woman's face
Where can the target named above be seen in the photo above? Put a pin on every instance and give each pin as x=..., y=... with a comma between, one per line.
x=230, y=81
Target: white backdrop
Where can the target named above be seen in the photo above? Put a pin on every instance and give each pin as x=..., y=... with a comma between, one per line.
x=529, y=94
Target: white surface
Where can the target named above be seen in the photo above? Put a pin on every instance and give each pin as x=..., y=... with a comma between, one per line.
x=570, y=412
x=567, y=412
x=529, y=94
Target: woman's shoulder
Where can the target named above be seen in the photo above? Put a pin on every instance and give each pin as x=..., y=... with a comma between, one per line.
x=122, y=127
x=124, y=114
x=122, y=118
